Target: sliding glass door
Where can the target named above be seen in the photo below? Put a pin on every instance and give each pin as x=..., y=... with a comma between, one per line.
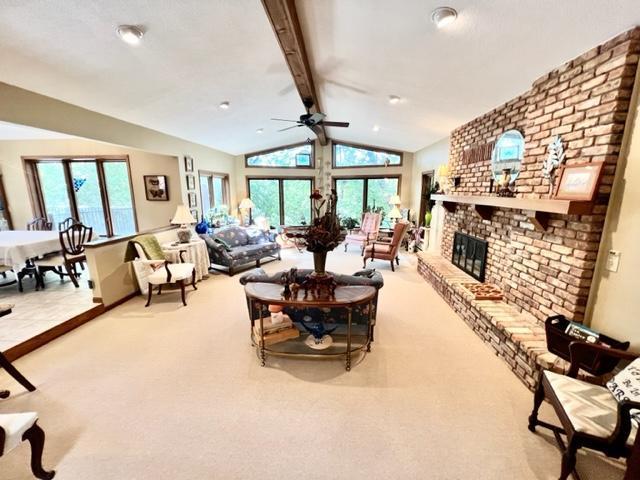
x=284, y=201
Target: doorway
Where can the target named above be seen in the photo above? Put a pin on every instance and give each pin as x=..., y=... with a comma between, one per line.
x=425, y=195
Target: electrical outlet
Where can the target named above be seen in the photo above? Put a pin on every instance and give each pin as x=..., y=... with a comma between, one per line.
x=613, y=260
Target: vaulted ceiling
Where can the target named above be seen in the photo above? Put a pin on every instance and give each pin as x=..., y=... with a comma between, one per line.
x=197, y=53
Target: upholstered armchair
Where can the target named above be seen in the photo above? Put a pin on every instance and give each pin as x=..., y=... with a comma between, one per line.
x=387, y=249
x=16, y=428
x=367, y=233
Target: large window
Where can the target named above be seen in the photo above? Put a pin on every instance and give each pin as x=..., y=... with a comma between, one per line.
x=214, y=190
x=95, y=191
x=356, y=195
x=284, y=201
x=291, y=156
x=348, y=156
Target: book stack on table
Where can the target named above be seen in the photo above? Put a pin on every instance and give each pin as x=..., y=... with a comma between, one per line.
x=275, y=332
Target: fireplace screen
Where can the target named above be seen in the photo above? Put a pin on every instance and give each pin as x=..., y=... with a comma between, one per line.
x=470, y=255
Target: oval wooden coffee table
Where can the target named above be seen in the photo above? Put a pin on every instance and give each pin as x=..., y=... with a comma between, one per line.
x=348, y=338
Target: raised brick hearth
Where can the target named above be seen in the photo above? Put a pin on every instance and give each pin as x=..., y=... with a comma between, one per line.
x=517, y=337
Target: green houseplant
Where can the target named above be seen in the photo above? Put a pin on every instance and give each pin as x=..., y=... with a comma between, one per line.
x=349, y=223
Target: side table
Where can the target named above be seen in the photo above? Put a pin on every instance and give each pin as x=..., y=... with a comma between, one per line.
x=196, y=253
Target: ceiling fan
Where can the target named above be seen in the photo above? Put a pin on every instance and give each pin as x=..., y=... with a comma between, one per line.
x=313, y=121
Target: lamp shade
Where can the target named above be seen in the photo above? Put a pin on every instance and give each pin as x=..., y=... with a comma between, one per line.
x=395, y=213
x=246, y=203
x=395, y=200
x=182, y=216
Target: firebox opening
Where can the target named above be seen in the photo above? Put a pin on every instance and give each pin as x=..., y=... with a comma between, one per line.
x=470, y=255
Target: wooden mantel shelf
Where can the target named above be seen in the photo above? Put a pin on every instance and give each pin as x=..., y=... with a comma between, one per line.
x=537, y=209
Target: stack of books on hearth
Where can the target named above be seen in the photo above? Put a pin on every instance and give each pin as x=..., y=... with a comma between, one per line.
x=275, y=332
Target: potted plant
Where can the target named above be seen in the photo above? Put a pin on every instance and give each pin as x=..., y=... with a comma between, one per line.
x=427, y=218
x=349, y=223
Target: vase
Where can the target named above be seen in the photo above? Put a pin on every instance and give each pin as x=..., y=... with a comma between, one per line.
x=319, y=263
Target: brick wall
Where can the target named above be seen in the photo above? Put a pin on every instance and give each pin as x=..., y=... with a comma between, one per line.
x=586, y=102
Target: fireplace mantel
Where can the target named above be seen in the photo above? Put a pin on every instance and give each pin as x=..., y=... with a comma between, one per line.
x=536, y=209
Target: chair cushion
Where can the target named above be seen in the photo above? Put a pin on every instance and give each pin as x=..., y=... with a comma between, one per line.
x=379, y=248
x=56, y=260
x=590, y=408
x=626, y=386
x=14, y=426
x=222, y=242
x=179, y=271
x=356, y=237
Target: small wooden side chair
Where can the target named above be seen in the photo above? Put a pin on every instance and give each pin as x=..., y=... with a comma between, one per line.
x=39, y=223
x=72, y=241
x=19, y=427
x=590, y=415
x=66, y=223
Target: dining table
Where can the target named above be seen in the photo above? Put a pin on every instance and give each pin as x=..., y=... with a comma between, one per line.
x=19, y=246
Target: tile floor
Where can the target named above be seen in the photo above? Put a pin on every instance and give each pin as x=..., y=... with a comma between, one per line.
x=35, y=312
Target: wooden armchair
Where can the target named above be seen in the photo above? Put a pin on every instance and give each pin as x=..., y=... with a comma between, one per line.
x=590, y=415
x=387, y=249
x=367, y=233
x=19, y=427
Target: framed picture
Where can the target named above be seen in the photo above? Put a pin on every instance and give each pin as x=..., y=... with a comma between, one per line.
x=579, y=182
x=193, y=200
x=194, y=213
x=191, y=182
x=188, y=163
x=156, y=188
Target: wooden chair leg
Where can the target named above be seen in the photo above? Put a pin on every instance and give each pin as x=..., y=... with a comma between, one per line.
x=398, y=261
x=13, y=371
x=538, y=398
x=568, y=462
x=345, y=246
x=35, y=436
x=392, y=267
x=182, y=292
x=364, y=262
x=69, y=268
x=159, y=289
x=193, y=279
x=150, y=294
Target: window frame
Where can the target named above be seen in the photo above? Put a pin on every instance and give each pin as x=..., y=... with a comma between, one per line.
x=225, y=188
x=364, y=147
x=280, y=180
x=365, y=185
x=311, y=166
x=36, y=195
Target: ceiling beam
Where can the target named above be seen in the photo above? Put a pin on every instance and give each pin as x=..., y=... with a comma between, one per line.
x=284, y=20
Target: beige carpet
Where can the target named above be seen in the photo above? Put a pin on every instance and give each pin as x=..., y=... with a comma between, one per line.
x=170, y=392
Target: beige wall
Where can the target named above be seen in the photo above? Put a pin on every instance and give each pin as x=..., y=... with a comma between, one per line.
x=28, y=108
x=323, y=172
x=150, y=214
x=614, y=306
x=426, y=160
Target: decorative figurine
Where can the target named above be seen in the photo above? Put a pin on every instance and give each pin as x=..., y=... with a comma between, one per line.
x=554, y=160
x=319, y=338
x=504, y=189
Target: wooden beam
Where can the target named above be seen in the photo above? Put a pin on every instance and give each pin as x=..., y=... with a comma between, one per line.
x=283, y=17
x=484, y=211
x=539, y=220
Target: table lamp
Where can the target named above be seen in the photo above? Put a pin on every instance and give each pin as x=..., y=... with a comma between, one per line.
x=395, y=214
x=245, y=206
x=183, y=218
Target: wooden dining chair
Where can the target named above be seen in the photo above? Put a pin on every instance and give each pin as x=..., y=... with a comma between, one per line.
x=16, y=428
x=72, y=242
x=39, y=223
x=66, y=223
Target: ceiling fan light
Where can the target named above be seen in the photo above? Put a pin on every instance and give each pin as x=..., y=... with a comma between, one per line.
x=443, y=16
x=224, y=105
x=130, y=34
x=394, y=99
x=260, y=131
x=376, y=128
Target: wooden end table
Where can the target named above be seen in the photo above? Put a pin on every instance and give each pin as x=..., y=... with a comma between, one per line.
x=346, y=339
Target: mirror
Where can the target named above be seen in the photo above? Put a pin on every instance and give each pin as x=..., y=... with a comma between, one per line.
x=508, y=153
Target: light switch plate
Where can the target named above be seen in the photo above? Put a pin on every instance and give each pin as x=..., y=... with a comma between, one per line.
x=613, y=260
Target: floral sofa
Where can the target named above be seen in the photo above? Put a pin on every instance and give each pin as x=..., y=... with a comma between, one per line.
x=360, y=313
x=234, y=246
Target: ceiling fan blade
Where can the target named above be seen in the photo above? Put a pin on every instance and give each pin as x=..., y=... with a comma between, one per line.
x=285, y=120
x=334, y=124
x=289, y=128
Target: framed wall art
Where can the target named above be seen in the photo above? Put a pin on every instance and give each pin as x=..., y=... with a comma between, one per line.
x=579, y=182
x=156, y=188
x=193, y=200
x=188, y=163
x=191, y=182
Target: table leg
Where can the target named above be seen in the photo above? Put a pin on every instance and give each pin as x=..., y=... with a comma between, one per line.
x=350, y=309
x=369, y=327
x=13, y=371
x=263, y=355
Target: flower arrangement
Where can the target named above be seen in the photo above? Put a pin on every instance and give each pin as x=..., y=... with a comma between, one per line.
x=324, y=234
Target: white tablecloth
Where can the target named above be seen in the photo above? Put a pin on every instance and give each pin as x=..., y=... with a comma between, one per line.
x=17, y=246
x=196, y=253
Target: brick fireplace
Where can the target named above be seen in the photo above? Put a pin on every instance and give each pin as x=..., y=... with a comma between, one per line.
x=544, y=269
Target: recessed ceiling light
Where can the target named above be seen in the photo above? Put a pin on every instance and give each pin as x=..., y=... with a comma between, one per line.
x=224, y=105
x=394, y=99
x=260, y=131
x=376, y=128
x=130, y=34
x=443, y=16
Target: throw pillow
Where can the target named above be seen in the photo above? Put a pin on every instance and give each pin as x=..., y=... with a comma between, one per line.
x=626, y=386
x=226, y=246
